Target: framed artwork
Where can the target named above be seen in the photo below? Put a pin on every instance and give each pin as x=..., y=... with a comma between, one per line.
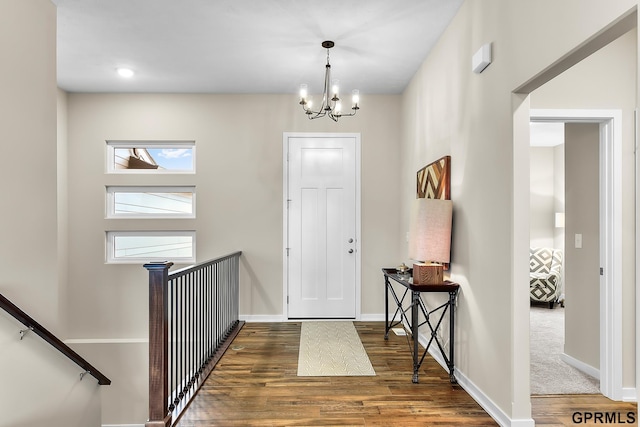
x=434, y=180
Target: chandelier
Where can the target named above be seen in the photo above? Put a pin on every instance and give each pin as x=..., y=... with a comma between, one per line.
x=331, y=105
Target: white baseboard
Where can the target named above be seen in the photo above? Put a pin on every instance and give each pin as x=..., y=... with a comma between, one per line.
x=107, y=341
x=476, y=393
x=580, y=365
x=488, y=405
x=258, y=318
x=372, y=317
x=269, y=318
x=629, y=394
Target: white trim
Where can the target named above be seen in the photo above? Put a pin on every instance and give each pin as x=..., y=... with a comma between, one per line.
x=610, y=237
x=580, y=365
x=122, y=425
x=358, y=214
x=107, y=341
x=259, y=318
x=271, y=318
x=372, y=317
x=629, y=394
x=637, y=246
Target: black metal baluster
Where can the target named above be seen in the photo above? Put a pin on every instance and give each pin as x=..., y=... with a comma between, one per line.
x=192, y=343
x=174, y=338
x=170, y=343
x=199, y=323
x=179, y=326
x=208, y=305
x=217, y=305
x=188, y=340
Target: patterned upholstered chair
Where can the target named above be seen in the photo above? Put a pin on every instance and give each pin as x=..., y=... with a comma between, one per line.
x=545, y=275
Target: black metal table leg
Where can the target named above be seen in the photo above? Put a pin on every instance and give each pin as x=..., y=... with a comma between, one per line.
x=415, y=300
x=386, y=308
x=452, y=302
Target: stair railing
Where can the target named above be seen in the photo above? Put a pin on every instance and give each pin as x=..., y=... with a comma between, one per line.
x=193, y=317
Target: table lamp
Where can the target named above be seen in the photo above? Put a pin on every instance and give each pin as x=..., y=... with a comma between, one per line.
x=430, y=239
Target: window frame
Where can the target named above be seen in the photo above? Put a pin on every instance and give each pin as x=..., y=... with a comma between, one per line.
x=111, y=191
x=110, y=249
x=112, y=145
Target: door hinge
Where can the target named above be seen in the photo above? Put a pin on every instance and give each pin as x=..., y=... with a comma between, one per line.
x=601, y=271
x=287, y=251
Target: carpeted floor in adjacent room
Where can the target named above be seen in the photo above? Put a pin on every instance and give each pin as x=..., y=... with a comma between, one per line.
x=549, y=373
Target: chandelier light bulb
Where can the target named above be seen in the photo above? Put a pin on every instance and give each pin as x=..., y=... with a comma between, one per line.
x=335, y=89
x=303, y=92
x=355, y=97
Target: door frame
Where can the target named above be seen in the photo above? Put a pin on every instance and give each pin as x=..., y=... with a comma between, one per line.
x=285, y=217
x=610, y=202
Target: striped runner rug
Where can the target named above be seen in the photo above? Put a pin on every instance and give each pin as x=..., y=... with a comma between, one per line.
x=332, y=349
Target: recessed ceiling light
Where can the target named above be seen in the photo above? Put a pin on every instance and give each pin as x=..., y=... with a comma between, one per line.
x=125, y=72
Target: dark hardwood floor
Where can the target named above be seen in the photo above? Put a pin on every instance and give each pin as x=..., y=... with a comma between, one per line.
x=256, y=384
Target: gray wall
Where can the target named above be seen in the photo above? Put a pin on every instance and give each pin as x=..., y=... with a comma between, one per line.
x=39, y=386
x=542, y=199
x=582, y=290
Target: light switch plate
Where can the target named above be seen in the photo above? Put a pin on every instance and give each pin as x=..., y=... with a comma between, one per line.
x=578, y=241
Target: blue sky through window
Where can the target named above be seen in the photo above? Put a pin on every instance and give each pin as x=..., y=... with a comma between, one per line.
x=173, y=158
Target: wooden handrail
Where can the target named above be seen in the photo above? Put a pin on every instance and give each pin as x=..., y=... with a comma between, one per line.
x=41, y=331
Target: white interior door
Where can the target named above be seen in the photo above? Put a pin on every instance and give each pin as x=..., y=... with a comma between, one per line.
x=322, y=241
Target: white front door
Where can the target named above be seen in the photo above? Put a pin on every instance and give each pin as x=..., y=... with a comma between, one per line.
x=321, y=235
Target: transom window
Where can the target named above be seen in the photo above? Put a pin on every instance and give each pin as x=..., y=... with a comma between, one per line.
x=151, y=202
x=150, y=246
x=151, y=156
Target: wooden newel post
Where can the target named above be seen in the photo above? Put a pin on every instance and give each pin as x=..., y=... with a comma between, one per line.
x=159, y=415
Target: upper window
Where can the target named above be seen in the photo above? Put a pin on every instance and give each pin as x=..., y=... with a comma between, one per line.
x=151, y=156
x=151, y=202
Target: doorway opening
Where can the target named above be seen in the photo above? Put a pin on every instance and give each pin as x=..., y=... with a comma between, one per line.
x=605, y=226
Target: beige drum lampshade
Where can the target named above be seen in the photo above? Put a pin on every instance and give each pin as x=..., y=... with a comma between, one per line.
x=430, y=237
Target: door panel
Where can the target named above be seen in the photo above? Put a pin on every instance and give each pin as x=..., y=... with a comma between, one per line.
x=321, y=193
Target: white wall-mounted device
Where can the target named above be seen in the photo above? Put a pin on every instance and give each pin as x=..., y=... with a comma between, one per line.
x=481, y=59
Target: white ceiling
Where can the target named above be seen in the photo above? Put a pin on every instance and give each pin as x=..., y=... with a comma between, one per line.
x=245, y=46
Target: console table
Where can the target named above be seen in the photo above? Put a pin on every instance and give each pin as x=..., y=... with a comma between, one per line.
x=416, y=303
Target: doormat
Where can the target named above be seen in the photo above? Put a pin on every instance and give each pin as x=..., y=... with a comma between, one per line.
x=332, y=349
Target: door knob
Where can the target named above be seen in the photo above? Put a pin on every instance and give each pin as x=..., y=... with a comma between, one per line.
x=350, y=240
x=350, y=251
